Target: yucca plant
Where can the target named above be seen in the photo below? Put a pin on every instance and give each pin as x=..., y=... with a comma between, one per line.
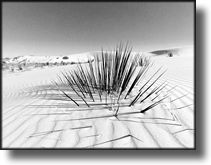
x=110, y=80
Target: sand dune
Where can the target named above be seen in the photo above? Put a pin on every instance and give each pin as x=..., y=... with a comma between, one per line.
x=35, y=117
x=187, y=50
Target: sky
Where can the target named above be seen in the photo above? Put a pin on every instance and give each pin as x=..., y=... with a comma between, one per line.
x=62, y=28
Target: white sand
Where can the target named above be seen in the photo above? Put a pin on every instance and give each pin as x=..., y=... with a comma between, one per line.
x=32, y=122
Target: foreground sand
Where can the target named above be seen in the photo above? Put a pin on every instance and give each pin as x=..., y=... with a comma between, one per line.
x=32, y=120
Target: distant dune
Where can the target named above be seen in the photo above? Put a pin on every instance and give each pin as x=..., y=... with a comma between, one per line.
x=83, y=57
x=174, y=51
x=21, y=63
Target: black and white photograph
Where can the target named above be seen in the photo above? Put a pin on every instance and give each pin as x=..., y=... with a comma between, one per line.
x=98, y=75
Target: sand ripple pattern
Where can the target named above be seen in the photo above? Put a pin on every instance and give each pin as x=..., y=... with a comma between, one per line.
x=34, y=116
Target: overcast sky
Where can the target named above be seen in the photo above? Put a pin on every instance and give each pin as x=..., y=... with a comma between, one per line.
x=36, y=28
